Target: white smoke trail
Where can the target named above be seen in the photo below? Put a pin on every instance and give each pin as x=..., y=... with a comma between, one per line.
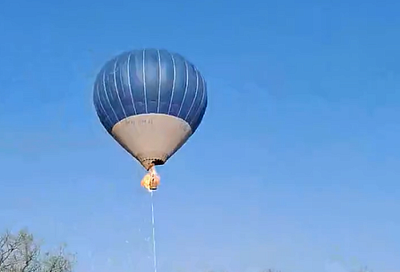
x=154, y=235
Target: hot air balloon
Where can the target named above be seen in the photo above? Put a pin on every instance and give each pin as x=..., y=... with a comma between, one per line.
x=150, y=101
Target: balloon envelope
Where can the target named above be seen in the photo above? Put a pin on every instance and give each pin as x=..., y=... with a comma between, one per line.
x=151, y=101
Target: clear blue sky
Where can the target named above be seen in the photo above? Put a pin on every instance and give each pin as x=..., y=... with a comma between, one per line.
x=296, y=163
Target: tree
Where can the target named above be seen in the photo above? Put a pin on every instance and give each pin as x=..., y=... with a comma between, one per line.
x=22, y=253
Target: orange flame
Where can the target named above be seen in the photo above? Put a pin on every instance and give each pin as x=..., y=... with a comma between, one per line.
x=151, y=180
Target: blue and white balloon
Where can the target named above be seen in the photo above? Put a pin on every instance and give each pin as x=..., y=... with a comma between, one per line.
x=151, y=101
